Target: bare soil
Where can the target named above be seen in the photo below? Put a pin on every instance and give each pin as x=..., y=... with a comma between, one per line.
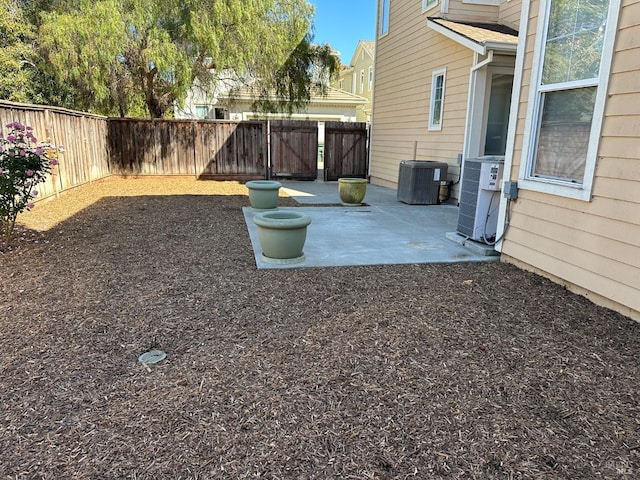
x=472, y=370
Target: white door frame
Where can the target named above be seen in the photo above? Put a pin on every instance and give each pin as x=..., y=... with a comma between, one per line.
x=478, y=105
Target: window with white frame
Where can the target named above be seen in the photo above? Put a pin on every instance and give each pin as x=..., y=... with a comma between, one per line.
x=483, y=2
x=383, y=8
x=437, y=99
x=341, y=84
x=361, y=81
x=370, y=78
x=427, y=4
x=566, y=106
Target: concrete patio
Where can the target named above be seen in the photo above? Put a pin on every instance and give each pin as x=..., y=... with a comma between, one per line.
x=383, y=231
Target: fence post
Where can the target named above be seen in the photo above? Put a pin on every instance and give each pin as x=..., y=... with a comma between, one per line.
x=267, y=164
x=54, y=168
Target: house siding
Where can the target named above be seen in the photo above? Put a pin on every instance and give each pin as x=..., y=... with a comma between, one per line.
x=471, y=12
x=347, y=80
x=406, y=58
x=509, y=13
x=592, y=247
x=361, y=61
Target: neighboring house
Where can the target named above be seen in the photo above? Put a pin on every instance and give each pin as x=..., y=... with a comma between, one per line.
x=571, y=139
x=357, y=78
x=336, y=105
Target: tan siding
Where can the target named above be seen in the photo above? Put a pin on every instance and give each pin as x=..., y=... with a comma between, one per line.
x=618, y=189
x=458, y=10
x=624, y=104
x=595, y=269
x=619, y=147
x=406, y=58
x=509, y=13
x=580, y=231
x=618, y=296
x=592, y=246
x=621, y=126
x=612, y=167
x=625, y=82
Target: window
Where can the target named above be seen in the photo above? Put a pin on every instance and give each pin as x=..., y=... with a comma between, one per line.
x=383, y=9
x=370, y=78
x=427, y=4
x=483, y=2
x=361, y=81
x=341, y=84
x=437, y=99
x=202, y=111
x=567, y=101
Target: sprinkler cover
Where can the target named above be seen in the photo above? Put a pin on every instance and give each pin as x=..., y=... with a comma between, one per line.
x=154, y=356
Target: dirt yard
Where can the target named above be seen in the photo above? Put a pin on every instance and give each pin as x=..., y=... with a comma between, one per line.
x=462, y=371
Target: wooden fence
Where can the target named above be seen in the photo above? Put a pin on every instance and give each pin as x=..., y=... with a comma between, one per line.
x=204, y=149
x=84, y=137
x=97, y=147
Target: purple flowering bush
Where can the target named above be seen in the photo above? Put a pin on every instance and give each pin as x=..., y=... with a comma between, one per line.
x=24, y=163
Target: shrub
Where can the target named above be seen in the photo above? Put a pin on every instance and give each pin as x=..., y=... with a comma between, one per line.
x=24, y=163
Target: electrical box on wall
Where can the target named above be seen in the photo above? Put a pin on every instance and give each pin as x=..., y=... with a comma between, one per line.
x=491, y=175
x=510, y=190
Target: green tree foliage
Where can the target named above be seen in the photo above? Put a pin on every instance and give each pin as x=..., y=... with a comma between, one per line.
x=121, y=55
x=306, y=71
x=17, y=52
x=24, y=76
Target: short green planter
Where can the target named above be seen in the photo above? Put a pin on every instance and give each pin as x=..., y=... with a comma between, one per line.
x=282, y=235
x=263, y=194
x=352, y=190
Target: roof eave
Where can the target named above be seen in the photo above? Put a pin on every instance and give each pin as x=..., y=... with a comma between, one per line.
x=456, y=37
x=479, y=47
x=314, y=100
x=501, y=47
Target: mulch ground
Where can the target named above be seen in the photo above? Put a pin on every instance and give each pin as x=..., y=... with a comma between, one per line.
x=476, y=370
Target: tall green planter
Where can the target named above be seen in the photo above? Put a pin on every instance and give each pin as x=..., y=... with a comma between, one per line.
x=263, y=194
x=282, y=235
x=352, y=190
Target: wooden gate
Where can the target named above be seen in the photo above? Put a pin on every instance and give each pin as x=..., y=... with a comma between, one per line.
x=345, y=150
x=294, y=149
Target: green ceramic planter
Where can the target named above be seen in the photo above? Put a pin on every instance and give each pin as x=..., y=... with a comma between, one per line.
x=352, y=190
x=263, y=194
x=282, y=235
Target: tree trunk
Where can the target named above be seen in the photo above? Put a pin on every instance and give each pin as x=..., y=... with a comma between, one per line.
x=153, y=102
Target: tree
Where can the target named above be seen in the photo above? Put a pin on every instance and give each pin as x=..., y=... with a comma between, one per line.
x=309, y=68
x=16, y=52
x=24, y=76
x=122, y=54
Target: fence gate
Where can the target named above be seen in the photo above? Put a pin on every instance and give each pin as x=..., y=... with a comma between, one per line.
x=294, y=149
x=345, y=150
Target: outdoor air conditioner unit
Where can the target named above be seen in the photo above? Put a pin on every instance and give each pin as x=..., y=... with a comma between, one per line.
x=419, y=181
x=480, y=197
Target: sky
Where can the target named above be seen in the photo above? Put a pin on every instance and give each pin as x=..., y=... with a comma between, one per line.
x=342, y=23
